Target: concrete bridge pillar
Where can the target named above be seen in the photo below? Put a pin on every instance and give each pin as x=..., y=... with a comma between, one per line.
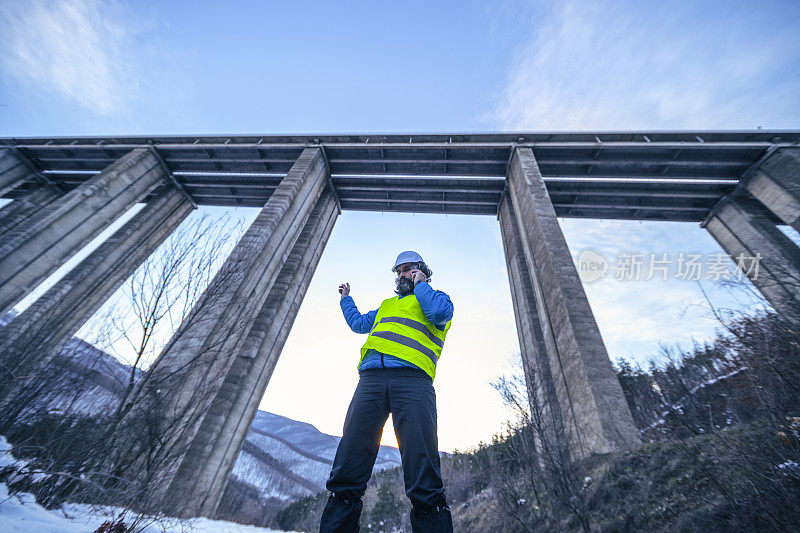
x=776, y=184
x=206, y=468
x=187, y=377
x=18, y=216
x=545, y=410
x=595, y=414
x=32, y=338
x=61, y=228
x=13, y=170
x=762, y=252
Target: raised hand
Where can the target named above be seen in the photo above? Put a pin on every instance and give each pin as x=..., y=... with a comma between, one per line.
x=344, y=289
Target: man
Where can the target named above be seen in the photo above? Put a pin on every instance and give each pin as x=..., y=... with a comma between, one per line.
x=396, y=371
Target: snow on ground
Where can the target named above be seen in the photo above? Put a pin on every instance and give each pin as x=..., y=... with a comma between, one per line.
x=19, y=513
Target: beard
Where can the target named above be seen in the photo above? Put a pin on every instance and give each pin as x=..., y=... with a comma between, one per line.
x=404, y=286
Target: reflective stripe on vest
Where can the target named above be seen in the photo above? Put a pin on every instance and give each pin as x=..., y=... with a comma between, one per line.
x=419, y=326
x=402, y=330
x=405, y=341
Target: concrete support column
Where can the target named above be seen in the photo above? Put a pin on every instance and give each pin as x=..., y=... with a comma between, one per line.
x=206, y=468
x=596, y=416
x=763, y=253
x=776, y=184
x=18, y=216
x=13, y=170
x=545, y=410
x=186, y=378
x=32, y=338
x=64, y=226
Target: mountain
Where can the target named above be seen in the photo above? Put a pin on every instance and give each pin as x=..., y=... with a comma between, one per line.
x=287, y=459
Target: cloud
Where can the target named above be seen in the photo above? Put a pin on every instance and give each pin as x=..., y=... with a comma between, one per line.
x=642, y=65
x=637, y=317
x=77, y=49
x=621, y=65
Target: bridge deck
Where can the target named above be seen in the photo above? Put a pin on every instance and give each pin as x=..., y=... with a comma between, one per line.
x=613, y=175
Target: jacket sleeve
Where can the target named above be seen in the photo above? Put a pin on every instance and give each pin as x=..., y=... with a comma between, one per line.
x=358, y=323
x=435, y=304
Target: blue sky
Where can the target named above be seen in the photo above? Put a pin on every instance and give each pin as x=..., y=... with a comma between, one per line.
x=150, y=68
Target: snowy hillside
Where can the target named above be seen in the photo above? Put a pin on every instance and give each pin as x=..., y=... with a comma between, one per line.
x=287, y=459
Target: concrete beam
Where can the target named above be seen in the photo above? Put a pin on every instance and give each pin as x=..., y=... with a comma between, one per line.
x=596, y=416
x=32, y=338
x=763, y=252
x=206, y=468
x=13, y=171
x=18, y=216
x=545, y=410
x=776, y=184
x=64, y=226
x=592, y=138
x=189, y=373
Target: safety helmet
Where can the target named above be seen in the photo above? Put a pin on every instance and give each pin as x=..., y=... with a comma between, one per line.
x=407, y=257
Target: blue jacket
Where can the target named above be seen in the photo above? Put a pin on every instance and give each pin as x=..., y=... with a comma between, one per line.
x=435, y=304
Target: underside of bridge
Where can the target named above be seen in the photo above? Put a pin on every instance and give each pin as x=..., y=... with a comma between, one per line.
x=208, y=381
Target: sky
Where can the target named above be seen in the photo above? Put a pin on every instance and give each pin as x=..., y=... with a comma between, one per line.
x=87, y=67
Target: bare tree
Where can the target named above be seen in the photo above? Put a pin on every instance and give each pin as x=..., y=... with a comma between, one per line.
x=158, y=298
x=134, y=326
x=143, y=435
x=537, y=447
x=749, y=377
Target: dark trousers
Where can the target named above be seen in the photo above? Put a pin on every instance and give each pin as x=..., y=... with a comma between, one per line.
x=408, y=394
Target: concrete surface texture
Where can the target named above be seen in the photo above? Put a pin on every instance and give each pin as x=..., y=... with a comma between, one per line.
x=206, y=468
x=743, y=228
x=188, y=375
x=39, y=333
x=776, y=184
x=597, y=417
x=62, y=227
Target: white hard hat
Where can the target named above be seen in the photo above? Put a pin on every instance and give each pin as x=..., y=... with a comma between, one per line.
x=407, y=257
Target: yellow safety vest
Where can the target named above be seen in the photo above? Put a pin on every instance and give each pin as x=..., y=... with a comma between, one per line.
x=401, y=329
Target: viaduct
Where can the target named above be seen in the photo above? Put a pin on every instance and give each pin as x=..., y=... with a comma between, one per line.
x=738, y=185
